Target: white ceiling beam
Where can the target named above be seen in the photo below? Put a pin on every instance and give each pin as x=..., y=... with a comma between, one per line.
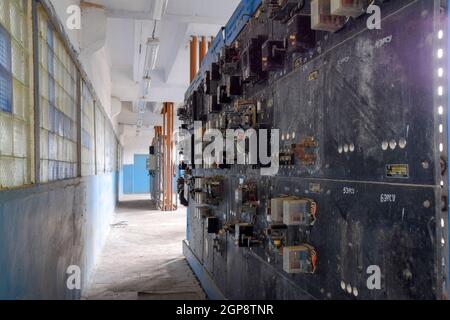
x=217, y=21
x=139, y=15
x=172, y=47
x=130, y=15
x=155, y=10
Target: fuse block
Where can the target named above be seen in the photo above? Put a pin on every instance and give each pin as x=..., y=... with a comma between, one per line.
x=349, y=8
x=300, y=259
x=322, y=19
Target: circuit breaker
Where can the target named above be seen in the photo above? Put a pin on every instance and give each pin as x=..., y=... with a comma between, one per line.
x=273, y=52
x=299, y=259
x=251, y=60
x=243, y=234
x=300, y=36
x=322, y=19
x=213, y=104
x=299, y=212
x=349, y=8
x=212, y=225
x=276, y=209
x=152, y=163
x=234, y=86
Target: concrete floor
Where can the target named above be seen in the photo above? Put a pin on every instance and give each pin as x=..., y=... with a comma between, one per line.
x=143, y=257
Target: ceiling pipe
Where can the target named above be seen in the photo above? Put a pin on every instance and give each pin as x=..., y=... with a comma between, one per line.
x=194, y=46
x=203, y=44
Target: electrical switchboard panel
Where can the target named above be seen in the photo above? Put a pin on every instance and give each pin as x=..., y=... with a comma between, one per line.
x=346, y=115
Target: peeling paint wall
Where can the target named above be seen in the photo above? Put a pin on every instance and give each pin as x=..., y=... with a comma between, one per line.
x=45, y=229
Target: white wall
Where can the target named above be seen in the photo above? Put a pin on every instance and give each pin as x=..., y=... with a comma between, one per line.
x=98, y=69
x=133, y=144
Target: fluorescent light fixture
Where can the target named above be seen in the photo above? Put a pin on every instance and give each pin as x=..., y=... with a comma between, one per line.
x=151, y=54
x=146, y=85
x=140, y=107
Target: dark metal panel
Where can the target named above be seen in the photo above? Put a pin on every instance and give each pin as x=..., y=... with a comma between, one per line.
x=212, y=291
x=358, y=91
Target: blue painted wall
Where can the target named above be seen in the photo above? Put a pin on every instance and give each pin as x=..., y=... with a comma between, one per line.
x=128, y=171
x=45, y=229
x=136, y=179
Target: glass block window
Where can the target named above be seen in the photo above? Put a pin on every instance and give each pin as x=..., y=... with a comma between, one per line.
x=100, y=139
x=5, y=71
x=58, y=89
x=87, y=133
x=16, y=107
x=110, y=149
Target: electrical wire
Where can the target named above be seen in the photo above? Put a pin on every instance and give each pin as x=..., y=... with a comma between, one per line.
x=154, y=29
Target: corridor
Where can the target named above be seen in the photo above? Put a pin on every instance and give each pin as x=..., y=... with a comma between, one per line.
x=143, y=259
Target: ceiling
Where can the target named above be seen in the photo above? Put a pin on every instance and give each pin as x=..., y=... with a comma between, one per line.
x=129, y=25
x=128, y=28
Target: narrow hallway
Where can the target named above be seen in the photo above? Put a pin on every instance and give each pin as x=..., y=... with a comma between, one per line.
x=143, y=259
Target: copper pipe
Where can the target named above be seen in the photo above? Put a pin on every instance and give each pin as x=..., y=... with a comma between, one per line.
x=171, y=156
x=168, y=160
x=202, y=55
x=168, y=156
x=211, y=40
x=194, y=45
x=163, y=169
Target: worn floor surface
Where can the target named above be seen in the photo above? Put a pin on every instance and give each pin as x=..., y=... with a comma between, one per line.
x=143, y=257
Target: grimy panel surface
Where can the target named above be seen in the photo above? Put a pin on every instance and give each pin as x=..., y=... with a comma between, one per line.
x=356, y=93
